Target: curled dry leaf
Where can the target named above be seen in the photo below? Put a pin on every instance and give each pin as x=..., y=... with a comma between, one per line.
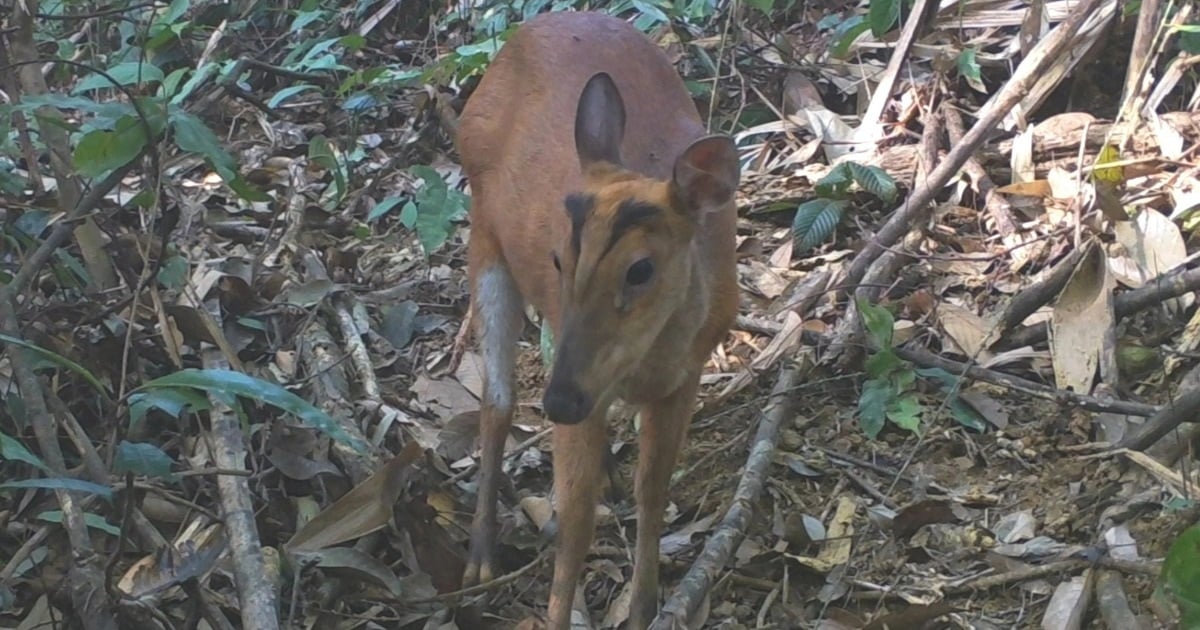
x=967, y=330
x=1081, y=320
x=364, y=509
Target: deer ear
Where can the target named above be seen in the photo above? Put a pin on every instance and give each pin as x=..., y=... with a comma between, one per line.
x=706, y=174
x=599, y=122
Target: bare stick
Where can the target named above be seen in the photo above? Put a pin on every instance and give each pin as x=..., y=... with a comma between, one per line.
x=1180, y=410
x=227, y=447
x=687, y=597
x=925, y=358
x=1170, y=285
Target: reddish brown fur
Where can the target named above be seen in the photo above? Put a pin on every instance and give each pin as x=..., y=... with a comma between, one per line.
x=517, y=142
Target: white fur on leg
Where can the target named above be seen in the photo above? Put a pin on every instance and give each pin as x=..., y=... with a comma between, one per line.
x=498, y=307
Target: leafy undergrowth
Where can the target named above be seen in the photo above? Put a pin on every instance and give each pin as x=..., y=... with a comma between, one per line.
x=269, y=255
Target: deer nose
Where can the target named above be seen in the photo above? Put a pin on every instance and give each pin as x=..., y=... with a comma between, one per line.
x=565, y=403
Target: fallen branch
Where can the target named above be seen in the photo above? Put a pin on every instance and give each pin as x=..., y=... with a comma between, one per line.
x=1180, y=410
x=924, y=358
x=687, y=597
x=1167, y=286
x=227, y=448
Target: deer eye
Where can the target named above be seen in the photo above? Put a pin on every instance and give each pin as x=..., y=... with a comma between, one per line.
x=639, y=272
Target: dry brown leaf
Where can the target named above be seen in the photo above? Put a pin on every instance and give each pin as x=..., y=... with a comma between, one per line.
x=967, y=330
x=836, y=550
x=366, y=508
x=1081, y=320
x=1036, y=188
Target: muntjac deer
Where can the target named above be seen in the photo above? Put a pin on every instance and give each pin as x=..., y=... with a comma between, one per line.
x=599, y=199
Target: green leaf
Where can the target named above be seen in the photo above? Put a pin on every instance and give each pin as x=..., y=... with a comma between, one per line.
x=966, y=415
x=288, y=92
x=57, y=359
x=881, y=364
x=61, y=483
x=968, y=68
x=13, y=450
x=169, y=400
x=437, y=208
x=1180, y=576
x=764, y=6
x=946, y=379
x=191, y=134
x=322, y=154
x=815, y=222
x=882, y=15
x=878, y=321
x=873, y=180
x=174, y=272
x=142, y=458
x=836, y=182
x=846, y=34
x=99, y=152
x=231, y=382
x=95, y=521
x=384, y=207
x=905, y=412
x=872, y=406
x=408, y=215
x=125, y=73
x=202, y=74
x=903, y=378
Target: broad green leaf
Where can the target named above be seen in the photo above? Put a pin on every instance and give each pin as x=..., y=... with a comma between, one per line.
x=883, y=15
x=836, y=182
x=125, y=73
x=99, y=152
x=872, y=406
x=408, y=215
x=57, y=359
x=878, y=321
x=61, y=483
x=191, y=134
x=202, y=74
x=1180, y=576
x=815, y=222
x=383, y=207
x=880, y=364
x=873, y=180
x=965, y=414
x=169, y=400
x=174, y=272
x=846, y=34
x=946, y=379
x=437, y=208
x=288, y=92
x=905, y=412
x=231, y=382
x=903, y=378
x=359, y=102
x=968, y=68
x=764, y=6
x=142, y=458
x=650, y=11
x=13, y=450
x=95, y=521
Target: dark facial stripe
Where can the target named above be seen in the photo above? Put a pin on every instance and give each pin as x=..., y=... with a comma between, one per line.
x=630, y=214
x=578, y=206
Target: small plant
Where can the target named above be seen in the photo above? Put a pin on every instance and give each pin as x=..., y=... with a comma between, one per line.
x=890, y=391
x=816, y=219
x=431, y=213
